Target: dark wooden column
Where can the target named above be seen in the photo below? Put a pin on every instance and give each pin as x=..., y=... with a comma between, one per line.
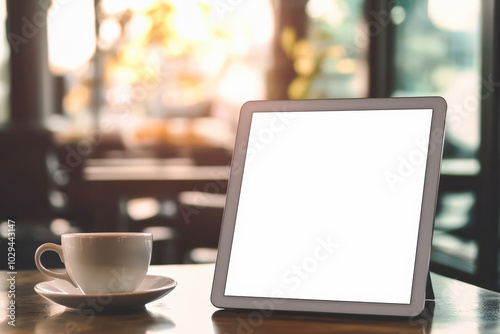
x=25, y=145
x=30, y=77
x=289, y=14
x=380, y=30
x=488, y=197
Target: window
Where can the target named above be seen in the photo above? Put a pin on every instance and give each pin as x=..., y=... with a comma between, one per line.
x=330, y=60
x=437, y=52
x=161, y=73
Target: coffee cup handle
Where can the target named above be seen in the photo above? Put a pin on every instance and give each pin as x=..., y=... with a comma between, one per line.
x=55, y=248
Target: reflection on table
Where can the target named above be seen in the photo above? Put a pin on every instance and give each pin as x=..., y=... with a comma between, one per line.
x=459, y=308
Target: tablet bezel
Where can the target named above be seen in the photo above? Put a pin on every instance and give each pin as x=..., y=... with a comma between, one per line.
x=431, y=181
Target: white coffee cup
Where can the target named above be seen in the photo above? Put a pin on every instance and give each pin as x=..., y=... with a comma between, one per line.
x=100, y=263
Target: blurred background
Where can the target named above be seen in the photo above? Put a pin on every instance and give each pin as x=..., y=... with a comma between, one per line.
x=121, y=115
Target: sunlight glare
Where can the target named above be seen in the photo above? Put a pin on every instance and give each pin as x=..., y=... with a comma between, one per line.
x=71, y=35
x=189, y=20
x=454, y=15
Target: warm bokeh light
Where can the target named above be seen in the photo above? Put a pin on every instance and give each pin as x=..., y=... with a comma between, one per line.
x=163, y=61
x=329, y=59
x=331, y=11
x=299, y=87
x=143, y=208
x=346, y=66
x=112, y=7
x=202, y=199
x=4, y=229
x=60, y=226
x=71, y=35
x=304, y=65
x=190, y=21
x=241, y=83
x=109, y=32
x=262, y=32
x=160, y=232
x=336, y=51
x=203, y=255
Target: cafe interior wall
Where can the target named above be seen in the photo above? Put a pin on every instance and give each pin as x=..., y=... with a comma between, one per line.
x=164, y=79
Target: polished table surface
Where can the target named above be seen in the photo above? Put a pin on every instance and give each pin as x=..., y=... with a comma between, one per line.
x=459, y=308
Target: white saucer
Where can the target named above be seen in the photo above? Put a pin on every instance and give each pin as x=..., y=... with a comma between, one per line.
x=64, y=293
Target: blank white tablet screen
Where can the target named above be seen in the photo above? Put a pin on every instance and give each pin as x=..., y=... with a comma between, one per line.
x=329, y=206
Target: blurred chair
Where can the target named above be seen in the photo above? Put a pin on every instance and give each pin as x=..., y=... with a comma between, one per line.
x=200, y=218
x=164, y=244
x=201, y=255
x=155, y=216
x=185, y=227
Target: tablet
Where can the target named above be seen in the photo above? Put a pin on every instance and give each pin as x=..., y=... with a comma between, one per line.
x=330, y=206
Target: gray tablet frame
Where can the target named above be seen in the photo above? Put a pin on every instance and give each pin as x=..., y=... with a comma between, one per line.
x=431, y=182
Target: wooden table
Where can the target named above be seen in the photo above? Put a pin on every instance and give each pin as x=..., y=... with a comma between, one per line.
x=107, y=181
x=459, y=308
